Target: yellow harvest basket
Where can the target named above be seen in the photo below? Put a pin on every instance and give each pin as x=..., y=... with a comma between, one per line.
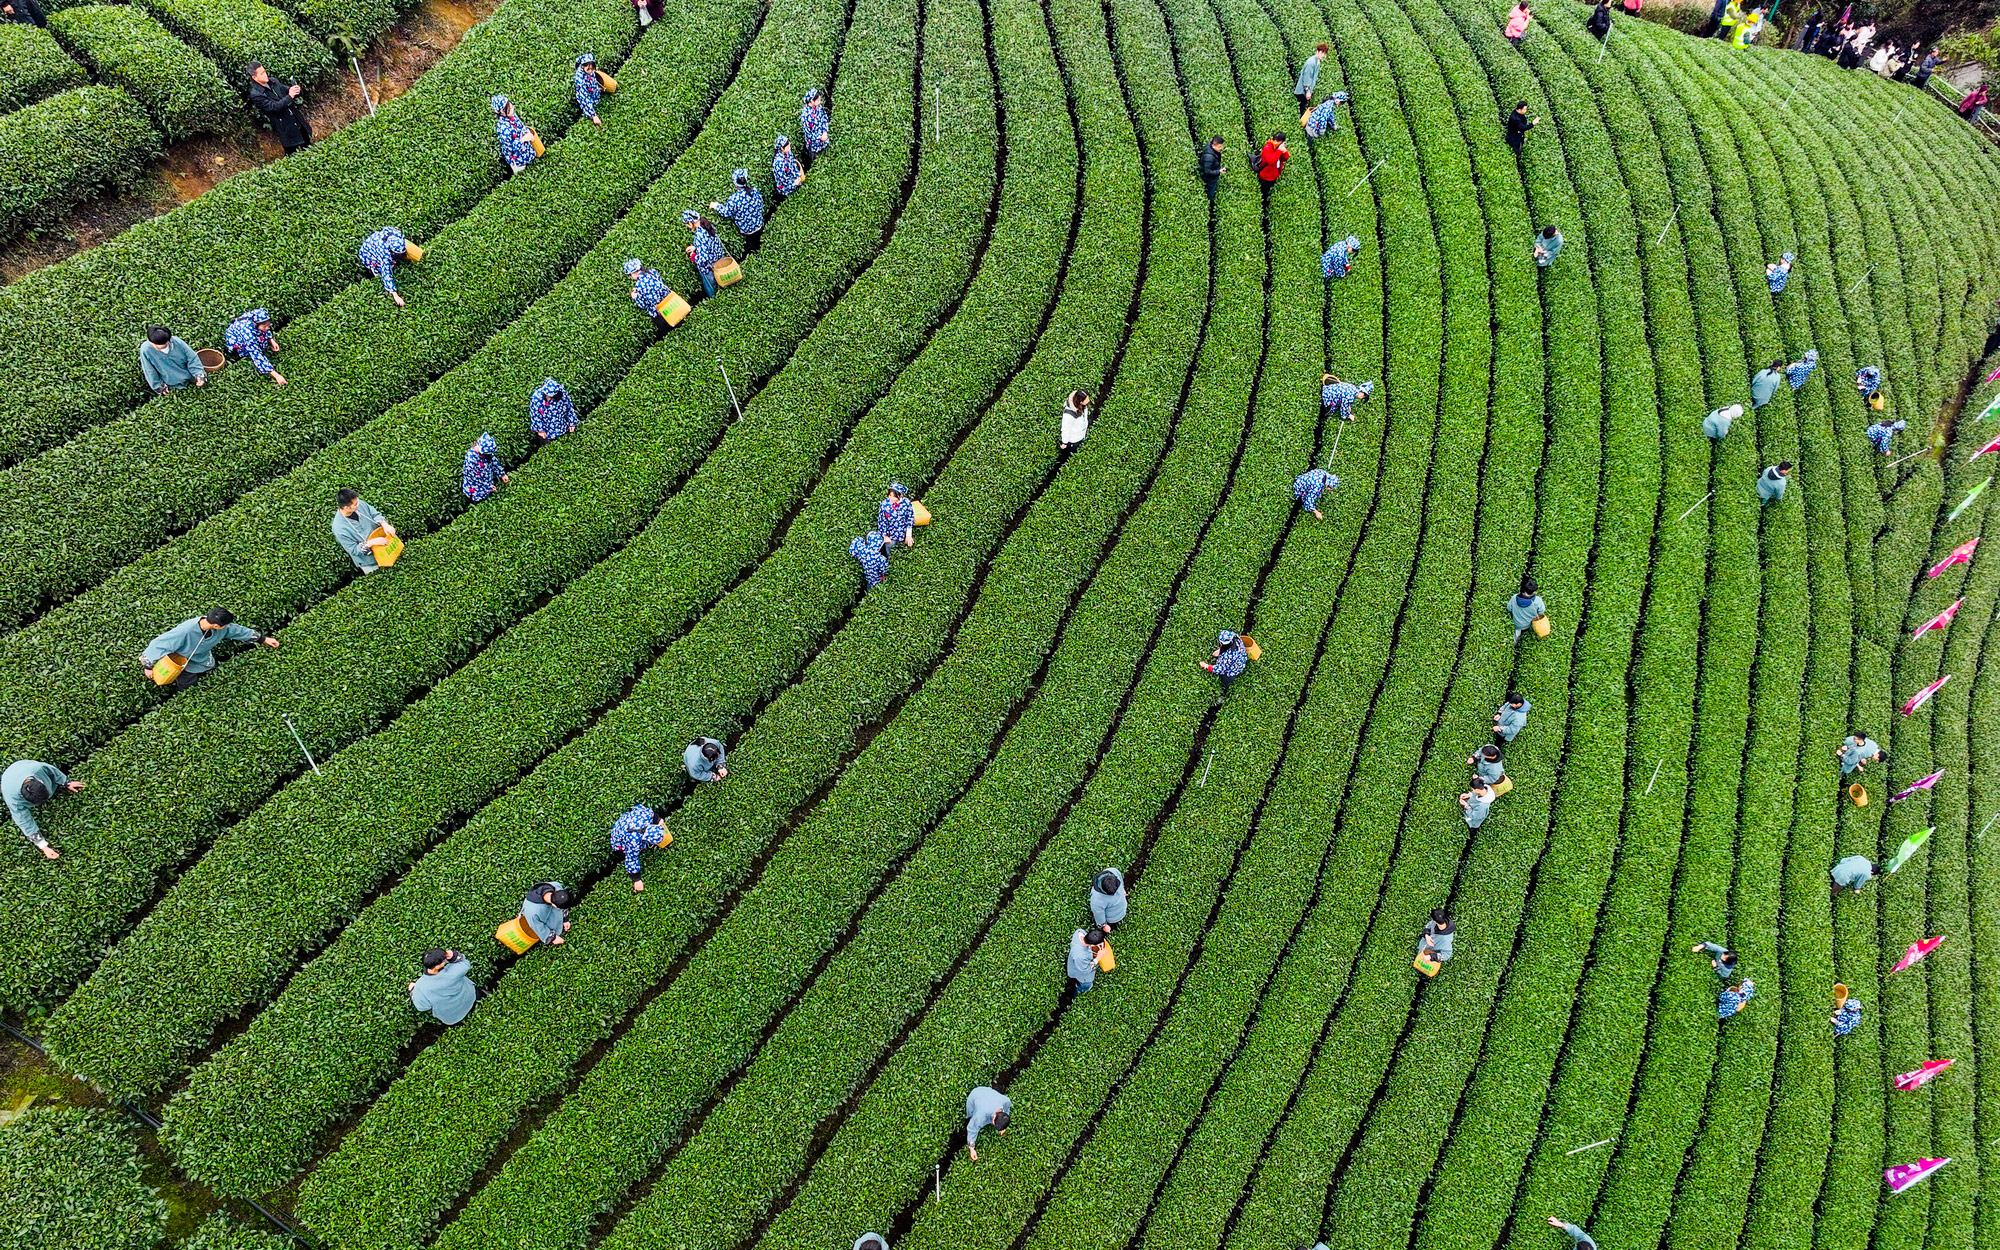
x=727, y=271
x=411, y=251
x=1859, y=793
x=606, y=81
x=672, y=309
x=1426, y=967
x=166, y=668
x=535, y=142
x=386, y=555
x=1251, y=648
x=1105, y=960
x=516, y=936
x=1542, y=626
x=1503, y=786
x=919, y=514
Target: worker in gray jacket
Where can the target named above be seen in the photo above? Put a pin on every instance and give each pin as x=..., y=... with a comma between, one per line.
x=446, y=989
x=1512, y=717
x=1525, y=606
x=1477, y=802
x=1486, y=762
x=196, y=641
x=705, y=759
x=546, y=909
x=1107, y=899
x=1083, y=947
x=1857, y=753
x=168, y=364
x=871, y=1241
x=1439, y=932
x=1853, y=872
x=27, y=784
x=354, y=519
x=1308, y=80
x=983, y=1106
x=1581, y=1239
x=1716, y=424
x=1772, y=481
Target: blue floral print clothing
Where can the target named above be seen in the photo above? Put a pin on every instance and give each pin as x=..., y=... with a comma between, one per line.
x=636, y=828
x=786, y=173
x=1799, y=370
x=895, y=519
x=1778, y=272
x=378, y=255
x=1339, y=398
x=707, y=250
x=249, y=336
x=1235, y=656
x=551, y=412
x=514, y=146
x=1881, y=432
x=482, y=468
x=1731, y=1000
x=588, y=89
x=1307, y=487
x=1868, y=380
x=867, y=551
x=813, y=120
x=648, y=289
x=745, y=207
x=1339, y=258
x=1846, y=1016
x=1322, y=120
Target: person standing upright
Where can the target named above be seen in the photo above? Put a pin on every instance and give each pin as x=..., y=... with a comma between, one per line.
x=1518, y=18
x=705, y=759
x=26, y=785
x=1271, y=160
x=279, y=103
x=636, y=828
x=1772, y=481
x=649, y=292
x=481, y=468
x=1075, y=421
x=744, y=209
x=1512, y=717
x=1108, y=899
x=1518, y=125
x=1229, y=658
x=1308, y=79
x=445, y=990
x=706, y=249
x=1549, y=243
x=1600, y=21
x=1765, y=382
x=818, y=127
x=551, y=412
x=517, y=143
x=588, y=87
x=1082, y=960
x=1211, y=167
x=1525, y=607
x=786, y=173
x=896, y=517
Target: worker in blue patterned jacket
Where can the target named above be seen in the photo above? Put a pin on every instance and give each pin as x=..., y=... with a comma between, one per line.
x=1799, y=370
x=649, y=291
x=512, y=132
x=1339, y=258
x=637, y=828
x=744, y=207
x=378, y=256
x=867, y=552
x=482, y=465
x=551, y=412
x=1324, y=118
x=706, y=248
x=1307, y=487
x=818, y=127
x=250, y=336
x=1337, y=398
x=1229, y=658
x=896, y=519
x=589, y=88
x=1778, y=272
x=1868, y=380
x=197, y=639
x=785, y=171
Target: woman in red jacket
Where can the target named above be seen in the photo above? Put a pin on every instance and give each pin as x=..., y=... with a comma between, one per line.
x=1271, y=160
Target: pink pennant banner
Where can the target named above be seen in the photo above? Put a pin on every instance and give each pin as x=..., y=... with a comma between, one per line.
x=1923, y=696
x=1916, y=952
x=1939, y=621
x=1992, y=446
x=1923, y=784
x=1922, y=1076
x=1961, y=554
x=1904, y=1175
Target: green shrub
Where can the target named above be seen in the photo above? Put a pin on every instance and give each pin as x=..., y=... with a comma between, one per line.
x=344, y=24
x=56, y=154
x=223, y=1233
x=69, y=1180
x=124, y=47
x=237, y=34
x=33, y=66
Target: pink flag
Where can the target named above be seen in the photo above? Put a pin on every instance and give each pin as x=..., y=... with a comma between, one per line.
x=1993, y=376
x=1992, y=446
x=1923, y=696
x=1904, y=1175
x=1916, y=952
x=1961, y=554
x=1939, y=621
x=1923, y=784
x=1922, y=1076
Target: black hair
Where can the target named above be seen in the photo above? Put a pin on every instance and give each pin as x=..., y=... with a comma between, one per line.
x=1779, y=363
x=1515, y=696
x=435, y=957
x=1093, y=935
x=220, y=616
x=159, y=336
x=1727, y=959
x=710, y=751
x=1861, y=734
x=871, y=1243
x=1278, y=135
x=1215, y=141
x=558, y=899
x=1528, y=586
x=1439, y=918
x=1108, y=883
x=1522, y=107
x=1001, y=1120
x=1549, y=231
x=1784, y=466
x=346, y=495
x=705, y=224
x=1490, y=751
x=34, y=791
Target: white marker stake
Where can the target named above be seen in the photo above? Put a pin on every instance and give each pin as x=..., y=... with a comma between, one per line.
x=366, y=98
x=1697, y=503
x=1789, y=94
x=732, y=389
x=1649, y=789
x=1912, y=456
x=302, y=744
x=937, y=1182
x=1592, y=1146
x=1864, y=277
x=1989, y=825
x=1604, y=47
x=1669, y=226
x=937, y=114
x=1206, y=767
x=1336, y=446
x=1365, y=177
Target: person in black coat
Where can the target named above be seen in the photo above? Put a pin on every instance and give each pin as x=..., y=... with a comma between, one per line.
x=27, y=12
x=1518, y=126
x=279, y=103
x=1600, y=20
x=1212, y=167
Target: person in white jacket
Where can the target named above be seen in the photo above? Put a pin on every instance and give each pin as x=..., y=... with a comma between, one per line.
x=1075, y=420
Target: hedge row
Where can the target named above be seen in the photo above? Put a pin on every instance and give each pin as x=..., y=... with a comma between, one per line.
x=361, y=21
x=237, y=34
x=943, y=887
x=33, y=66
x=62, y=151
x=125, y=47
x=185, y=809
x=512, y=725
x=284, y=237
